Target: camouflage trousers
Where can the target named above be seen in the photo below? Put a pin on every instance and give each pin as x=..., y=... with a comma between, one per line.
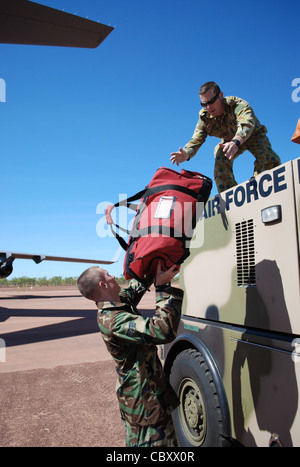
x=259, y=146
x=151, y=436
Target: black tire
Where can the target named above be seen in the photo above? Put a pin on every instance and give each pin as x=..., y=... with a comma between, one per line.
x=198, y=421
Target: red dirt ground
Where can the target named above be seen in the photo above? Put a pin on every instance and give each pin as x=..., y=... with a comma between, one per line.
x=57, y=380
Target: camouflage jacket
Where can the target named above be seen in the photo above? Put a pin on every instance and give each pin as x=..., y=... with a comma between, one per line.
x=144, y=393
x=238, y=119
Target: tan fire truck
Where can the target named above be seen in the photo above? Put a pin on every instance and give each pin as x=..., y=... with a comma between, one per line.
x=235, y=363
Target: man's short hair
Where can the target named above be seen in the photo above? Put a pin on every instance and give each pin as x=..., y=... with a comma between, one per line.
x=209, y=85
x=89, y=280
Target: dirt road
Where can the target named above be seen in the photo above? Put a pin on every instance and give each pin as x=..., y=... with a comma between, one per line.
x=57, y=380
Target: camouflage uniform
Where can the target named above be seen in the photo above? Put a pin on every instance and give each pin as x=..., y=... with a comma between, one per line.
x=238, y=119
x=144, y=393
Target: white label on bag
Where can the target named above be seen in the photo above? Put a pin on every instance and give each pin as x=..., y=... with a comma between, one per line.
x=165, y=207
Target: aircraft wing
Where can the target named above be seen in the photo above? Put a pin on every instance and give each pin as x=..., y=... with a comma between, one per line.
x=26, y=22
x=7, y=258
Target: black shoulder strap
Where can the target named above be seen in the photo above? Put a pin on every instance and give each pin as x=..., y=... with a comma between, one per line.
x=126, y=202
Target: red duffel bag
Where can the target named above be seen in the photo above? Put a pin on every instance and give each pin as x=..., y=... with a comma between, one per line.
x=168, y=211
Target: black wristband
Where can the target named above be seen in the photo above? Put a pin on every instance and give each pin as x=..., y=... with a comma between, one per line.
x=162, y=288
x=237, y=142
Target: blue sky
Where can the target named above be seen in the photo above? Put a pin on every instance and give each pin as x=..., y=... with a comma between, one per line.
x=81, y=126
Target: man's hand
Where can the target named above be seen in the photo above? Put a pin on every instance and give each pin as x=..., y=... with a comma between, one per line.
x=164, y=277
x=108, y=217
x=230, y=149
x=179, y=156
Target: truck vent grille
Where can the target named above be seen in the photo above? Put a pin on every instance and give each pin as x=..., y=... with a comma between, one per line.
x=245, y=253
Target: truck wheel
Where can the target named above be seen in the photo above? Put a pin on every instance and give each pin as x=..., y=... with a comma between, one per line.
x=197, y=420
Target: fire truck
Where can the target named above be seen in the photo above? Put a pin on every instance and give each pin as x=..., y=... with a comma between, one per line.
x=235, y=363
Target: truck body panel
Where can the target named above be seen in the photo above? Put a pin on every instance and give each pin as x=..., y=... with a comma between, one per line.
x=247, y=272
x=241, y=305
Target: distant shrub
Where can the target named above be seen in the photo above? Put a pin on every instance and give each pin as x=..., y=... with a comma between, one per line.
x=44, y=282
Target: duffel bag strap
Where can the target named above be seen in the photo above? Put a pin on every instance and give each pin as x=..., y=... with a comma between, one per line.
x=124, y=202
x=110, y=222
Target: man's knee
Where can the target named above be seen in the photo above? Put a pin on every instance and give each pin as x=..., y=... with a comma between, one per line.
x=261, y=167
x=223, y=172
x=265, y=157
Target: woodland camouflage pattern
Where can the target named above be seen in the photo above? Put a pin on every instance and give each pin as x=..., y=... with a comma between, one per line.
x=238, y=119
x=144, y=393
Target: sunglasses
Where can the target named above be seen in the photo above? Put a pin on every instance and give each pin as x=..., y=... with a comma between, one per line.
x=205, y=104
